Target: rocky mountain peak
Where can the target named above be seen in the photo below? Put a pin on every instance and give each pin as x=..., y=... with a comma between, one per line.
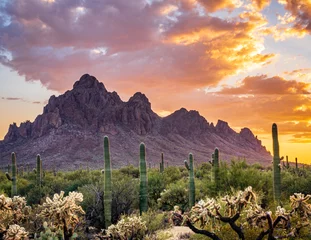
x=87, y=81
x=185, y=123
x=139, y=98
x=223, y=127
x=246, y=133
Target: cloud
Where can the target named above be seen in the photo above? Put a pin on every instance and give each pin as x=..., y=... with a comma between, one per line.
x=214, y=5
x=19, y=99
x=302, y=74
x=11, y=98
x=124, y=43
x=264, y=85
x=260, y=4
x=296, y=22
x=304, y=137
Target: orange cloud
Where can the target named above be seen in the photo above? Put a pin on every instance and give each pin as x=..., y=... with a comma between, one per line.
x=260, y=4
x=264, y=85
x=214, y=5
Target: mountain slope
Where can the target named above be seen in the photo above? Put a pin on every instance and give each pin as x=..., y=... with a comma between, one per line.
x=70, y=130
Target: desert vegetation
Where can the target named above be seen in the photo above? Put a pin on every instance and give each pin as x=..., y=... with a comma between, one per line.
x=216, y=200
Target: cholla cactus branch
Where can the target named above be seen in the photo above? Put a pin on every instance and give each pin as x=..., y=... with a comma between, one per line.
x=63, y=212
x=16, y=232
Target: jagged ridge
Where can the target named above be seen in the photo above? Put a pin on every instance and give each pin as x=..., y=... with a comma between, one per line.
x=72, y=125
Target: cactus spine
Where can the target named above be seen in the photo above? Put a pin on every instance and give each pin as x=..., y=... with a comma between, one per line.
x=39, y=171
x=13, y=176
x=276, y=164
x=107, y=186
x=162, y=163
x=143, y=188
x=191, y=180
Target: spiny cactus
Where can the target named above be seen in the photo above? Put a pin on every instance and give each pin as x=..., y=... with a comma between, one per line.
x=13, y=176
x=162, y=163
x=16, y=232
x=49, y=234
x=64, y=213
x=107, y=189
x=128, y=228
x=143, y=188
x=215, y=168
x=296, y=161
x=191, y=180
x=39, y=171
x=276, y=164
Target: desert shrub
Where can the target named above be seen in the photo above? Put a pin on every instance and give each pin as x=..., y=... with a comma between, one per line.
x=125, y=195
x=125, y=192
x=175, y=194
x=155, y=221
x=130, y=171
x=173, y=174
x=156, y=185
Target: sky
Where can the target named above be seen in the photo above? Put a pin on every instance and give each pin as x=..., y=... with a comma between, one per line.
x=247, y=62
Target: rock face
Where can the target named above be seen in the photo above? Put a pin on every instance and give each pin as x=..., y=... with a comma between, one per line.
x=69, y=132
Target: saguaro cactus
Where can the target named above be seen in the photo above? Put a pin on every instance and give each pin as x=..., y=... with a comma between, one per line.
x=191, y=180
x=215, y=167
x=296, y=161
x=143, y=188
x=39, y=171
x=13, y=176
x=107, y=186
x=276, y=164
x=162, y=163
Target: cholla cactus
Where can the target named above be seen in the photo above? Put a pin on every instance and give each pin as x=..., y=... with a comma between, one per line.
x=63, y=212
x=128, y=228
x=206, y=212
x=276, y=227
x=16, y=232
x=235, y=204
x=12, y=210
x=299, y=203
x=48, y=234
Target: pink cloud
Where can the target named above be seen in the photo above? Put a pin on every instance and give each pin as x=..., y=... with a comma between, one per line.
x=125, y=43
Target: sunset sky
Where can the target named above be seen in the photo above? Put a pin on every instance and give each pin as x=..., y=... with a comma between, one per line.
x=247, y=62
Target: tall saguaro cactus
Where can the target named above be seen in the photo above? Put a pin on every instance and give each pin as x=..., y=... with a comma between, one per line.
x=107, y=186
x=13, y=176
x=143, y=188
x=296, y=162
x=191, y=180
x=39, y=171
x=276, y=164
x=215, y=168
x=162, y=163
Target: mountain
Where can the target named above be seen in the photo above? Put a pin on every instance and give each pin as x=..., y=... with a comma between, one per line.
x=69, y=133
